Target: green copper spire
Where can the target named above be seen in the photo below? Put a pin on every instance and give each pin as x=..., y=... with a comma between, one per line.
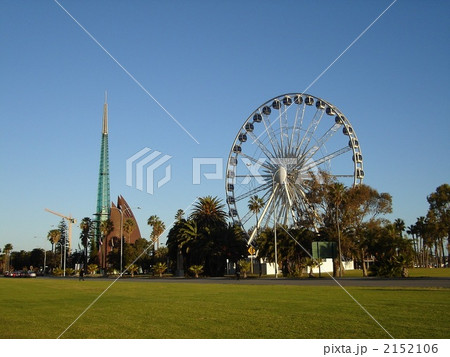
x=103, y=199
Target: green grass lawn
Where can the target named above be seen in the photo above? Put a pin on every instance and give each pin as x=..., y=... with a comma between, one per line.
x=44, y=308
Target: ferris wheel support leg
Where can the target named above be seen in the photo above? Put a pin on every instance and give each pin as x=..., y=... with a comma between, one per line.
x=269, y=201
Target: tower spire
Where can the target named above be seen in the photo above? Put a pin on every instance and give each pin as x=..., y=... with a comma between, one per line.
x=103, y=195
x=105, y=115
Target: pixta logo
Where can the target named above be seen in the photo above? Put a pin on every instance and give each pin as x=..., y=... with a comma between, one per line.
x=143, y=165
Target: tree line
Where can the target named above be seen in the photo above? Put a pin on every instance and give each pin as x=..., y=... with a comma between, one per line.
x=204, y=241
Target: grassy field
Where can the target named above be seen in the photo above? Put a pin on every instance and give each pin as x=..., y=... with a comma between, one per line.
x=44, y=308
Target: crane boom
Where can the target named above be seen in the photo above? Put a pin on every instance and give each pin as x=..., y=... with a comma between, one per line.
x=70, y=220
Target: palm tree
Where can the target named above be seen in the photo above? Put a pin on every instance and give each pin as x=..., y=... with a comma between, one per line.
x=179, y=215
x=196, y=269
x=412, y=230
x=400, y=227
x=160, y=268
x=106, y=227
x=189, y=234
x=133, y=268
x=337, y=196
x=85, y=226
x=54, y=236
x=128, y=227
x=92, y=268
x=255, y=204
x=158, y=228
x=245, y=267
x=7, y=250
x=209, y=212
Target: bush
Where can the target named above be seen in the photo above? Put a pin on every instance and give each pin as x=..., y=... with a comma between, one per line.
x=160, y=268
x=58, y=272
x=92, y=268
x=196, y=270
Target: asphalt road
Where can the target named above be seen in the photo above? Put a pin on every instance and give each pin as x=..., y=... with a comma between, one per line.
x=358, y=282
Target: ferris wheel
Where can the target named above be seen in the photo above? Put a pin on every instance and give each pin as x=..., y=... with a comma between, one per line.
x=281, y=145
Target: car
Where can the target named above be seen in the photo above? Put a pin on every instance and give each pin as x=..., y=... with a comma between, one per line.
x=7, y=274
x=30, y=274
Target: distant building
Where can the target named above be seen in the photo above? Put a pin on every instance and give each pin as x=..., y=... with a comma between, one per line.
x=107, y=210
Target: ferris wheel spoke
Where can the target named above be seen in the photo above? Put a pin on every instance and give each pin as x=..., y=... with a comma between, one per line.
x=247, y=217
x=261, y=145
x=322, y=141
x=312, y=129
x=308, y=130
x=253, y=191
x=325, y=158
x=258, y=162
x=282, y=117
x=294, y=128
x=270, y=134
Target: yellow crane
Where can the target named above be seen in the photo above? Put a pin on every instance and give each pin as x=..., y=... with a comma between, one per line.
x=70, y=221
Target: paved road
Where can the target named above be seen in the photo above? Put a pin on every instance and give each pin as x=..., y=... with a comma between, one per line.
x=362, y=282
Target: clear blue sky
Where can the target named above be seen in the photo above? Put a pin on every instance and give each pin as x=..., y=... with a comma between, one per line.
x=210, y=64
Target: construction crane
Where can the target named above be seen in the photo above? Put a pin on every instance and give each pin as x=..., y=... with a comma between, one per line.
x=70, y=220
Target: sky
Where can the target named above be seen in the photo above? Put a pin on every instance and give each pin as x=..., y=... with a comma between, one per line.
x=209, y=65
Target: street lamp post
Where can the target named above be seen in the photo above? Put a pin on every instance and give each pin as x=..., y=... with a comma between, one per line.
x=121, y=234
x=275, y=225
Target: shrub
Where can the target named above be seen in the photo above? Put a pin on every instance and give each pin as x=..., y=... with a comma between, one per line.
x=196, y=270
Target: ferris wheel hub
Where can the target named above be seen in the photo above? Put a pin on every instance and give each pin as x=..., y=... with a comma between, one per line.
x=280, y=175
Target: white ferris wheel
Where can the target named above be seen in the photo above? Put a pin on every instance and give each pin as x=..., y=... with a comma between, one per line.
x=276, y=151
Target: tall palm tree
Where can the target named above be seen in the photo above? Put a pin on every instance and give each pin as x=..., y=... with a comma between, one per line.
x=255, y=204
x=399, y=226
x=158, y=228
x=85, y=226
x=412, y=230
x=106, y=227
x=337, y=196
x=7, y=250
x=54, y=236
x=128, y=227
x=209, y=212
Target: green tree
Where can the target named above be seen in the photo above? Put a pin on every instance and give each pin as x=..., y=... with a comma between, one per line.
x=128, y=227
x=133, y=268
x=209, y=212
x=53, y=236
x=245, y=267
x=393, y=254
x=7, y=250
x=400, y=226
x=439, y=208
x=92, y=268
x=337, y=193
x=106, y=227
x=196, y=270
x=255, y=205
x=85, y=227
x=179, y=215
x=160, y=268
x=158, y=228
x=363, y=206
